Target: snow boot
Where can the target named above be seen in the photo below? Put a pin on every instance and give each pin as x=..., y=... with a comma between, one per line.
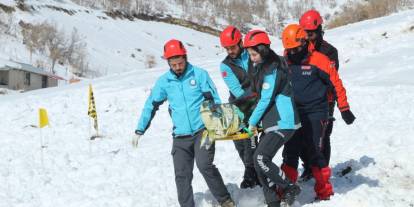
x=274, y=204
x=290, y=193
x=323, y=187
x=249, y=179
x=228, y=203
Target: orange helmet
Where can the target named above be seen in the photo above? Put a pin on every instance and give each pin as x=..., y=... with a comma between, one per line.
x=230, y=36
x=174, y=48
x=256, y=37
x=293, y=36
x=310, y=20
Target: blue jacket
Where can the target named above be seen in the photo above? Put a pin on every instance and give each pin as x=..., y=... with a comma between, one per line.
x=275, y=107
x=234, y=73
x=185, y=95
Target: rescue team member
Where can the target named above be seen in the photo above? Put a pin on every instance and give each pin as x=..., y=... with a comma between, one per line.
x=185, y=87
x=312, y=75
x=234, y=72
x=275, y=111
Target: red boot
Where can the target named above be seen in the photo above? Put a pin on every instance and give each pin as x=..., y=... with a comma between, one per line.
x=290, y=172
x=323, y=187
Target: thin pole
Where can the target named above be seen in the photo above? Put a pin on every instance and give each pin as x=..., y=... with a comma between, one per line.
x=90, y=135
x=41, y=148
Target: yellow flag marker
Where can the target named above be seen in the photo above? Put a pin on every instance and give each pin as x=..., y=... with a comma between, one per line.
x=43, y=119
x=92, y=108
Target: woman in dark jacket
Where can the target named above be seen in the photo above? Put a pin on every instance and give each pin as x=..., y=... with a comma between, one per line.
x=275, y=111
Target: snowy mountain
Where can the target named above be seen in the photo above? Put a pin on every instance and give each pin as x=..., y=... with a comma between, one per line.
x=376, y=58
x=242, y=13
x=114, y=44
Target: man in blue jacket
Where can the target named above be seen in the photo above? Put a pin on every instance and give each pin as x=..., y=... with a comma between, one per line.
x=234, y=72
x=185, y=87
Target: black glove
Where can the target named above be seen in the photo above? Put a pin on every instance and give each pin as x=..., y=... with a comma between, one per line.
x=348, y=116
x=246, y=97
x=215, y=108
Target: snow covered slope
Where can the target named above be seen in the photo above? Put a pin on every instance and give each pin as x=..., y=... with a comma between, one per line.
x=113, y=45
x=376, y=70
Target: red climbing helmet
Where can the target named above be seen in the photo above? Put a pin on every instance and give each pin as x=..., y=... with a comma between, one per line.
x=311, y=20
x=174, y=48
x=256, y=37
x=230, y=36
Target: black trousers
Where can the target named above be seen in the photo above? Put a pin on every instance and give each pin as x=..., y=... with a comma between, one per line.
x=326, y=141
x=246, y=148
x=268, y=172
x=307, y=140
